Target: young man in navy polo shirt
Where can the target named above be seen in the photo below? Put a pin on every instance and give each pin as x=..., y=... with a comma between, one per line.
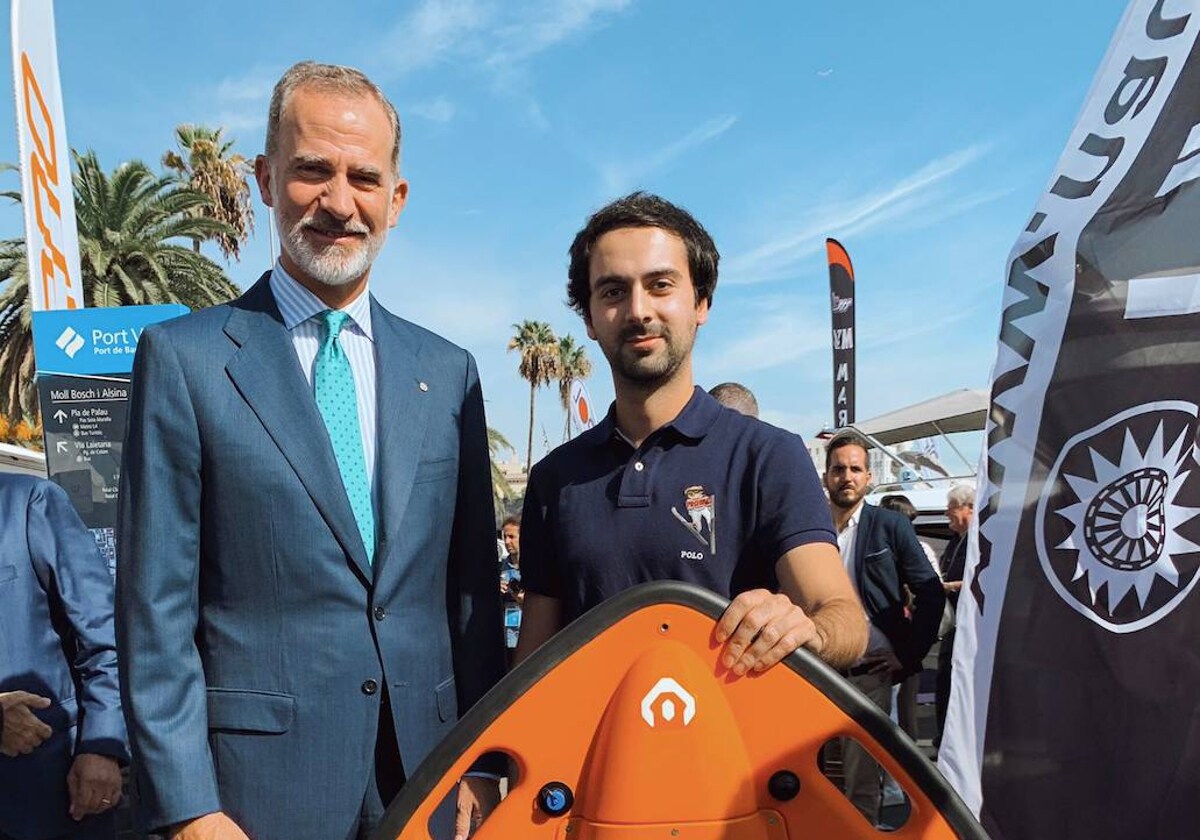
x=671, y=485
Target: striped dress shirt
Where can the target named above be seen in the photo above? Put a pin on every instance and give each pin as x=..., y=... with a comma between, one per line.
x=300, y=309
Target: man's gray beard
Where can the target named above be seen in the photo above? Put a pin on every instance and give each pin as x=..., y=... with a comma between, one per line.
x=333, y=267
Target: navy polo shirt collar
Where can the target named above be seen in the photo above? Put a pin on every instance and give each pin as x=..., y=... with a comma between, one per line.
x=694, y=421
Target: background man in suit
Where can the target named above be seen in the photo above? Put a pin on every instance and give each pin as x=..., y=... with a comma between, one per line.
x=881, y=552
x=307, y=592
x=64, y=737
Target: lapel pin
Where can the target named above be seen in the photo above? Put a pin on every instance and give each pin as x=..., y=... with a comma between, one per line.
x=422, y=386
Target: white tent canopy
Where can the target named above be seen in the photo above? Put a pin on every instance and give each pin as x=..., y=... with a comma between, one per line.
x=964, y=410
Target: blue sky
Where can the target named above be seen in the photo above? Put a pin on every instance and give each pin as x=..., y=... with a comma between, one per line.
x=920, y=134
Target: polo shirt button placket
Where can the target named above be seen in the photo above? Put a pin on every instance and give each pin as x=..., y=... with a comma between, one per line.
x=634, y=490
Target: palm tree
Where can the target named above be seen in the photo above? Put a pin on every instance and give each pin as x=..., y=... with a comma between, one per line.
x=16, y=357
x=207, y=163
x=18, y=394
x=539, y=364
x=129, y=226
x=501, y=490
x=573, y=364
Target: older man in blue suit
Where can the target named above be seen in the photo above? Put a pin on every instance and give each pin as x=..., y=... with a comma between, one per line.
x=306, y=581
x=61, y=777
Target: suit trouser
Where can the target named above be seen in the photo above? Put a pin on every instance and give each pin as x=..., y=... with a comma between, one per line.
x=942, y=695
x=906, y=705
x=860, y=770
x=387, y=777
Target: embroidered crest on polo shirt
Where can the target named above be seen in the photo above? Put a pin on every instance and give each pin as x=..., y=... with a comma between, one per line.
x=701, y=518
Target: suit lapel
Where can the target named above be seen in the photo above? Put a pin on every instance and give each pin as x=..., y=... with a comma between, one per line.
x=866, y=527
x=403, y=410
x=267, y=373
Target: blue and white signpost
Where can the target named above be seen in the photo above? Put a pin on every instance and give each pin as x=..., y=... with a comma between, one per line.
x=84, y=359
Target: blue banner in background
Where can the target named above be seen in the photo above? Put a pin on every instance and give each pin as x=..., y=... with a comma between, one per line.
x=96, y=340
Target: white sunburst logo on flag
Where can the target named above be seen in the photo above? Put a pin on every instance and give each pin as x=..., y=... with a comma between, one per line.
x=1125, y=520
x=1126, y=526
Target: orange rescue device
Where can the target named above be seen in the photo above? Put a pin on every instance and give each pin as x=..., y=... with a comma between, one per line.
x=625, y=726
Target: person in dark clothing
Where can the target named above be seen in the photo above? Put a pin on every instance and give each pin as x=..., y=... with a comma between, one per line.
x=960, y=509
x=884, y=560
x=63, y=737
x=906, y=699
x=644, y=494
x=510, y=584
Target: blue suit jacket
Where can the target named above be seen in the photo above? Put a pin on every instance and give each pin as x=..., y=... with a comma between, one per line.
x=888, y=557
x=56, y=640
x=250, y=623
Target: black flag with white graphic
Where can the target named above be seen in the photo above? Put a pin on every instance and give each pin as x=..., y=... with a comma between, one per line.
x=1074, y=708
x=841, y=293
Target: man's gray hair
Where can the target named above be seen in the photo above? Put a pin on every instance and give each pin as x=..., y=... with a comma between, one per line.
x=328, y=78
x=736, y=396
x=961, y=495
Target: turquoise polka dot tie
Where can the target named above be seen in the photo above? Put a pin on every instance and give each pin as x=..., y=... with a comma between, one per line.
x=338, y=404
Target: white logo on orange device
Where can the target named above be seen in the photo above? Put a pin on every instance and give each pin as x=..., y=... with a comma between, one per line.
x=672, y=691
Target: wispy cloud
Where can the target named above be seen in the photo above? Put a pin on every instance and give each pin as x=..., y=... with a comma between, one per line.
x=536, y=116
x=904, y=328
x=440, y=110
x=495, y=37
x=239, y=103
x=546, y=24
x=253, y=86
x=458, y=298
x=500, y=37
x=777, y=332
x=241, y=125
x=912, y=193
x=620, y=176
x=757, y=336
x=434, y=31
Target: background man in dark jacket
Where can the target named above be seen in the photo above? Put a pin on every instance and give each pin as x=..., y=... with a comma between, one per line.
x=60, y=776
x=882, y=556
